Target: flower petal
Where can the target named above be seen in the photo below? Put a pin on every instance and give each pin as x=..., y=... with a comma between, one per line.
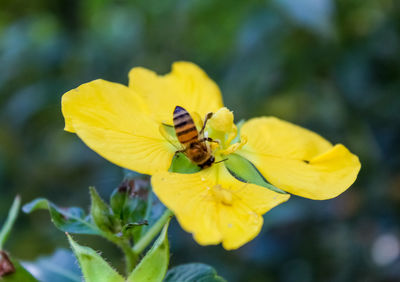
x=114, y=122
x=188, y=197
x=297, y=160
x=187, y=86
x=193, y=199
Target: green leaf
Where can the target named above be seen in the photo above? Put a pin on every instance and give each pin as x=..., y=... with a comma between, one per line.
x=72, y=219
x=193, y=272
x=19, y=274
x=12, y=216
x=245, y=171
x=60, y=266
x=182, y=164
x=155, y=263
x=101, y=213
x=94, y=267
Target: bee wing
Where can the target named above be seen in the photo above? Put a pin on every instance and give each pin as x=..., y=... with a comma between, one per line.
x=168, y=132
x=198, y=121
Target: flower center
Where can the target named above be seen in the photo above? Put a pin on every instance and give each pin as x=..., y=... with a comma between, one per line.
x=217, y=139
x=222, y=195
x=222, y=129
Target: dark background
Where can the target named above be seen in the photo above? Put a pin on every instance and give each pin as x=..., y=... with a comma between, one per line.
x=330, y=66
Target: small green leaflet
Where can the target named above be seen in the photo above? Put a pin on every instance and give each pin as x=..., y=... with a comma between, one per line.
x=71, y=219
x=193, y=272
x=154, y=265
x=94, y=267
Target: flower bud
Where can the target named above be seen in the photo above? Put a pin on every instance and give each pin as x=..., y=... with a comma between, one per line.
x=222, y=120
x=101, y=213
x=6, y=266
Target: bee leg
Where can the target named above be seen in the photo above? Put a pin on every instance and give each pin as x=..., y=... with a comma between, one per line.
x=208, y=116
x=209, y=140
x=180, y=151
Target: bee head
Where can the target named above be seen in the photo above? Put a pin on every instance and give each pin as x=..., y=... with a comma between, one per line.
x=208, y=163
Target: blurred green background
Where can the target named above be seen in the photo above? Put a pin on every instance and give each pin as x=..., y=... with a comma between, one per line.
x=331, y=66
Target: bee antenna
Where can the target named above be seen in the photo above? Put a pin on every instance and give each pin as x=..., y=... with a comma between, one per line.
x=221, y=161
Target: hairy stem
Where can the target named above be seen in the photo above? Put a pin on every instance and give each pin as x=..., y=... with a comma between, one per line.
x=130, y=257
x=142, y=244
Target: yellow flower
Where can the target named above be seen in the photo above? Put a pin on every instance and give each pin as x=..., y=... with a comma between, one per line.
x=129, y=127
x=216, y=207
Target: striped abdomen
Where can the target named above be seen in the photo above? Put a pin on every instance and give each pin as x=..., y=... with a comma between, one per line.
x=185, y=128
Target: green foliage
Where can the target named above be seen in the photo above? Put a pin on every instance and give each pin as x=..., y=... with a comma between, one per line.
x=10, y=269
x=155, y=263
x=152, y=267
x=127, y=203
x=102, y=214
x=94, y=267
x=193, y=272
x=12, y=216
x=60, y=266
x=71, y=219
x=245, y=171
x=20, y=274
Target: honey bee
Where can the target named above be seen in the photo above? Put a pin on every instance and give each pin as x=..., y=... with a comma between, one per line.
x=195, y=144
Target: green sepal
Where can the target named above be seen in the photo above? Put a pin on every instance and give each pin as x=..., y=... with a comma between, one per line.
x=94, y=267
x=170, y=130
x=193, y=272
x=182, y=164
x=245, y=171
x=101, y=213
x=71, y=219
x=117, y=201
x=154, y=265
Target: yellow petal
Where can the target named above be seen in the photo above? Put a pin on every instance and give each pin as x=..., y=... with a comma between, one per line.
x=113, y=121
x=297, y=160
x=187, y=86
x=188, y=196
x=214, y=206
x=238, y=224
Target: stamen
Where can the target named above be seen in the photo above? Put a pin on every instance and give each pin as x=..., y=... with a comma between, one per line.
x=232, y=134
x=234, y=147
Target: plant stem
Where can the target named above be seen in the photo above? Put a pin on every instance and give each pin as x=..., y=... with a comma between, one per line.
x=130, y=257
x=12, y=216
x=132, y=254
x=141, y=245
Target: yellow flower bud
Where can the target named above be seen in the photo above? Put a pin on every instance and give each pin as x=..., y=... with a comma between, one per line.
x=222, y=120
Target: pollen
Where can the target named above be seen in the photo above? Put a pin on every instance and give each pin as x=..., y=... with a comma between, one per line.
x=222, y=195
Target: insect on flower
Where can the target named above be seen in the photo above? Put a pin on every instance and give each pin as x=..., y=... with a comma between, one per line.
x=196, y=146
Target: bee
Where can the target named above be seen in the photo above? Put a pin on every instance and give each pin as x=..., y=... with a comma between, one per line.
x=195, y=144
